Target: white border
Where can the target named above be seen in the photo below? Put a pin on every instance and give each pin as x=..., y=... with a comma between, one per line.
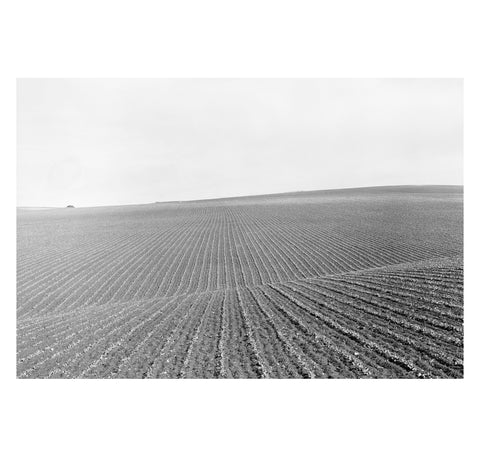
x=343, y=422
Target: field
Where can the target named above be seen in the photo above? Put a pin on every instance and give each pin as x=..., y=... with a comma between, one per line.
x=359, y=283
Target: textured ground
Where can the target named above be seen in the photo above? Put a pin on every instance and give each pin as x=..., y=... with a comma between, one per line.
x=345, y=283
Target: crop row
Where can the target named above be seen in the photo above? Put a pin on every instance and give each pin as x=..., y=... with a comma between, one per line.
x=351, y=325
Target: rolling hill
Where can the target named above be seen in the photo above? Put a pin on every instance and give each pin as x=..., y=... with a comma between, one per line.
x=352, y=283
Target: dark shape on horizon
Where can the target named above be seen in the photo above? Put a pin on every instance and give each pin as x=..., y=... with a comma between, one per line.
x=70, y=206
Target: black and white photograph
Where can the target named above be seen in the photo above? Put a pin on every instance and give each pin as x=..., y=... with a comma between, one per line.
x=240, y=228
x=239, y=233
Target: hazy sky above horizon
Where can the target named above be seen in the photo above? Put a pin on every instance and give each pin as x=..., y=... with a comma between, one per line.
x=91, y=142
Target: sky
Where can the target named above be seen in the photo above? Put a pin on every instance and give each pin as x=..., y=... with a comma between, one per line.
x=94, y=142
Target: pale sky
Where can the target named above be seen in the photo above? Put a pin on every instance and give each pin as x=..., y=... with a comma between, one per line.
x=91, y=142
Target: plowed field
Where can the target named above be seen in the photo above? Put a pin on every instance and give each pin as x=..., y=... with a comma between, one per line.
x=361, y=283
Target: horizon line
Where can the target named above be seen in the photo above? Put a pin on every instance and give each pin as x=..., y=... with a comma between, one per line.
x=242, y=196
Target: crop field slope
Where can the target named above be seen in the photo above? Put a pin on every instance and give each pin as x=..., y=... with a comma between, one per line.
x=362, y=283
